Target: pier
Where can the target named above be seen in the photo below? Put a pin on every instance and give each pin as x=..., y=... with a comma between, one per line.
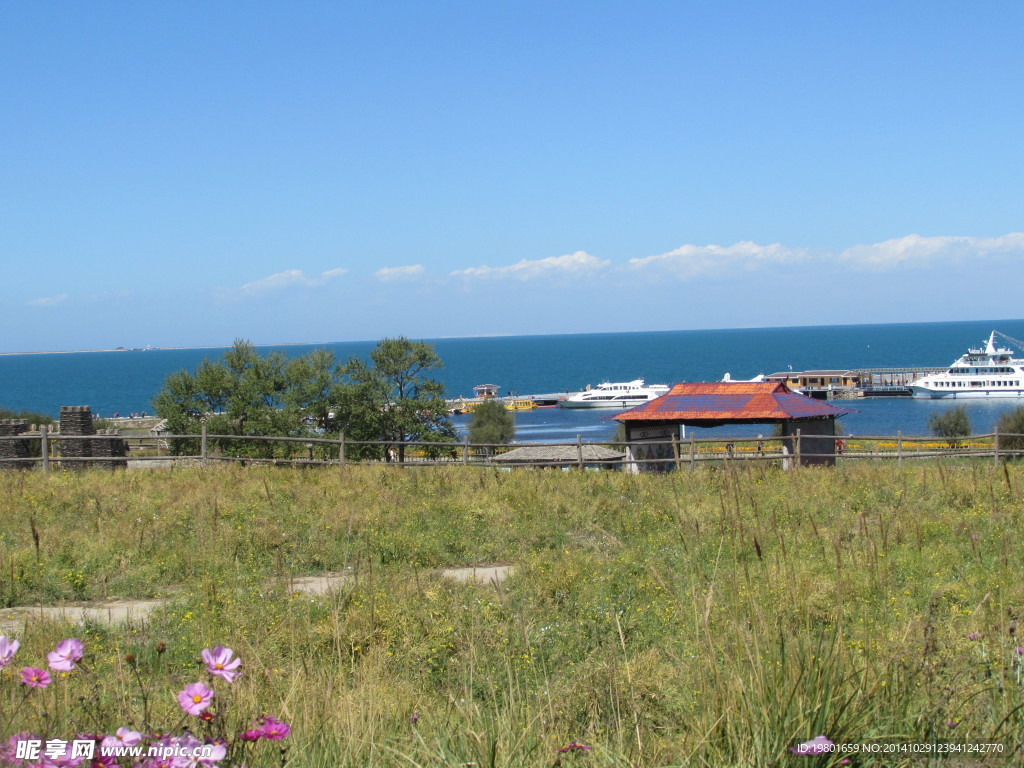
x=892, y=382
x=854, y=382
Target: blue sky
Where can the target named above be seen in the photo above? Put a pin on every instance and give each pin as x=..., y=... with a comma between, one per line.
x=188, y=173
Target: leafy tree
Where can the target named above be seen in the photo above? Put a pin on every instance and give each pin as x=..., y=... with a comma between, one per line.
x=246, y=393
x=951, y=424
x=1011, y=424
x=492, y=422
x=391, y=397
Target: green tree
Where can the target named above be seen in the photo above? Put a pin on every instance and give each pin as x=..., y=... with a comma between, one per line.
x=951, y=424
x=1011, y=424
x=247, y=393
x=492, y=422
x=392, y=398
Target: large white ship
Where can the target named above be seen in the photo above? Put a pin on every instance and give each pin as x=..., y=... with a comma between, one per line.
x=990, y=371
x=619, y=395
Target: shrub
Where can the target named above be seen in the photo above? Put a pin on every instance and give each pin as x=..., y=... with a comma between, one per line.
x=492, y=422
x=951, y=424
x=1011, y=424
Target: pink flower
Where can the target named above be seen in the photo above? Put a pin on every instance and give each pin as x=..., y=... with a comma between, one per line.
x=273, y=729
x=195, y=698
x=573, y=746
x=34, y=677
x=124, y=737
x=219, y=662
x=819, y=745
x=253, y=734
x=9, y=751
x=216, y=751
x=7, y=650
x=66, y=654
x=62, y=759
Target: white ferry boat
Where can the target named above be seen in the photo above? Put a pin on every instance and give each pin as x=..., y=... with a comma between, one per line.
x=991, y=371
x=622, y=395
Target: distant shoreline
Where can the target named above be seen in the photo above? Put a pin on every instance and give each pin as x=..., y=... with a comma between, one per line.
x=155, y=349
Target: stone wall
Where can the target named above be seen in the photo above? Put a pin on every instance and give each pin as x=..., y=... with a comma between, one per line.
x=13, y=449
x=111, y=447
x=75, y=420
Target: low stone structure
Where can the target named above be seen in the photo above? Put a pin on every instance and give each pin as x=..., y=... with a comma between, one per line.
x=112, y=447
x=562, y=456
x=13, y=449
x=76, y=420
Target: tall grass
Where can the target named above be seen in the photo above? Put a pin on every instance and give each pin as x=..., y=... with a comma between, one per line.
x=712, y=618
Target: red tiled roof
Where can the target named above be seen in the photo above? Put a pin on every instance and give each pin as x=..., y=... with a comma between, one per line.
x=733, y=402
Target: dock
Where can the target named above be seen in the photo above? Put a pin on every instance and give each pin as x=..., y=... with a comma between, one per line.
x=854, y=382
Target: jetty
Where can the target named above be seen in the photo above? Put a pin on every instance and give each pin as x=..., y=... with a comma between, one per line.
x=829, y=384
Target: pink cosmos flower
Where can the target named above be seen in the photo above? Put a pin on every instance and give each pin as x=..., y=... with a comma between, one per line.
x=216, y=751
x=573, y=746
x=9, y=751
x=34, y=677
x=66, y=654
x=253, y=734
x=195, y=698
x=63, y=758
x=98, y=760
x=219, y=662
x=819, y=745
x=7, y=650
x=175, y=746
x=274, y=730
x=124, y=737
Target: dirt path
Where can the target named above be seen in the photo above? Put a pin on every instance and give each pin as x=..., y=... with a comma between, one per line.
x=13, y=620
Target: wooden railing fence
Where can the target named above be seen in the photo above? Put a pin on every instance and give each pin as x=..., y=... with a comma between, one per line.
x=43, y=451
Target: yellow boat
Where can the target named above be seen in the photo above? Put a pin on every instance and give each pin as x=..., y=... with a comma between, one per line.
x=520, y=405
x=511, y=404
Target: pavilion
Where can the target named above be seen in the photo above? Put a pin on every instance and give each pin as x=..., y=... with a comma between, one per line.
x=650, y=427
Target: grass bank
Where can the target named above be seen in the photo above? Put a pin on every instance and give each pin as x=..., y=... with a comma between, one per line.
x=711, y=618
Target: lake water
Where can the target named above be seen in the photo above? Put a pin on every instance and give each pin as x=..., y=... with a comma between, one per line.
x=126, y=381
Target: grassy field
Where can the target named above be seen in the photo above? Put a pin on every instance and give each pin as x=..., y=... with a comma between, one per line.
x=712, y=618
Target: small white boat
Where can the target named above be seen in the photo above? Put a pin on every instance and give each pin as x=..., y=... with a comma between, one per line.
x=989, y=371
x=620, y=395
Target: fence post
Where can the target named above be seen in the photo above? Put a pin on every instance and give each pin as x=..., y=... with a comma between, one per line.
x=202, y=445
x=899, y=449
x=675, y=449
x=579, y=450
x=693, y=450
x=44, y=447
x=341, y=447
x=995, y=455
x=465, y=450
x=796, y=450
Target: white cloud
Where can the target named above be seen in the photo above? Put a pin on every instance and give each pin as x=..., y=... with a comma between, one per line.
x=689, y=261
x=578, y=263
x=915, y=250
x=399, y=273
x=48, y=301
x=288, y=278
